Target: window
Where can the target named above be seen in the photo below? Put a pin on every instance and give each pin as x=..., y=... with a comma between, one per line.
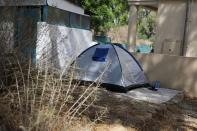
x=100, y=54
x=85, y=22
x=58, y=16
x=7, y=13
x=75, y=20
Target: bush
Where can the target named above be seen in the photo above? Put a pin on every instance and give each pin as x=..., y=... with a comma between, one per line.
x=34, y=99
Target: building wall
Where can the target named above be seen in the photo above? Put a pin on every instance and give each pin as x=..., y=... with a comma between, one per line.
x=191, y=50
x=65, y=5
x=6, y=30
x=172, y=71
x=22, y=2
x=18, y=29
x=6, y=36
x=170, y=26
x=58, y=46
x=61, y=4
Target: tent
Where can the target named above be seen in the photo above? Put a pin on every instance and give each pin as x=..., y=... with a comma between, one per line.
x=112, y=65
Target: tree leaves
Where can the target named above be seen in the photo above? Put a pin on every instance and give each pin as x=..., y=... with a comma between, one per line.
x=105, y=13
x=146, y=23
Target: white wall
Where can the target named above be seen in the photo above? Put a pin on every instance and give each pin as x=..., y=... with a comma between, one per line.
x=58, y=46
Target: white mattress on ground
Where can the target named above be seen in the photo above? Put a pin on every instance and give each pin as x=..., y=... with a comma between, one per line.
x=158, y=97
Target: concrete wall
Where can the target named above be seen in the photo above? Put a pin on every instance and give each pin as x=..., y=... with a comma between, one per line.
x=173, y=71
x=6, y=36
x=191, y=50
x=170, y=26
x=58, y=46
x=22, y=2
x=6, y=29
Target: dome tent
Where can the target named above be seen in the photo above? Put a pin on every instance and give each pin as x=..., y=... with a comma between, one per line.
x=117, y=68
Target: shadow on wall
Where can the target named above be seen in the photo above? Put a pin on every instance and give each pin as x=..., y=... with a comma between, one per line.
x=54, y=51
x=170, y=23
x=173, y=71
x=192, y=31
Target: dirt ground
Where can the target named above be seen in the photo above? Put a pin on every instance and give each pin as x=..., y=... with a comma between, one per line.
x=131, y=115
x=123, y=114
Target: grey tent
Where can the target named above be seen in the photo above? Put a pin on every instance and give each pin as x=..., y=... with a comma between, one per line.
x=114, y=66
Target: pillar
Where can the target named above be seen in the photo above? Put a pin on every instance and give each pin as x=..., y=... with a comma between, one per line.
x=132, y=28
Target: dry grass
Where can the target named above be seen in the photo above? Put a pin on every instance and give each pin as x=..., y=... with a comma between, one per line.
x=38, y=99
x=51, y=100
x=33, y=99
x=126, y=114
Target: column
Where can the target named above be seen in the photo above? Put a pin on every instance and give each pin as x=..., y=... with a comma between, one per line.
x=132, y=28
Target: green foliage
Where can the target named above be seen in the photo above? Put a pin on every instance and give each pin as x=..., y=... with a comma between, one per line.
x=105, y=13
x=146, y=24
